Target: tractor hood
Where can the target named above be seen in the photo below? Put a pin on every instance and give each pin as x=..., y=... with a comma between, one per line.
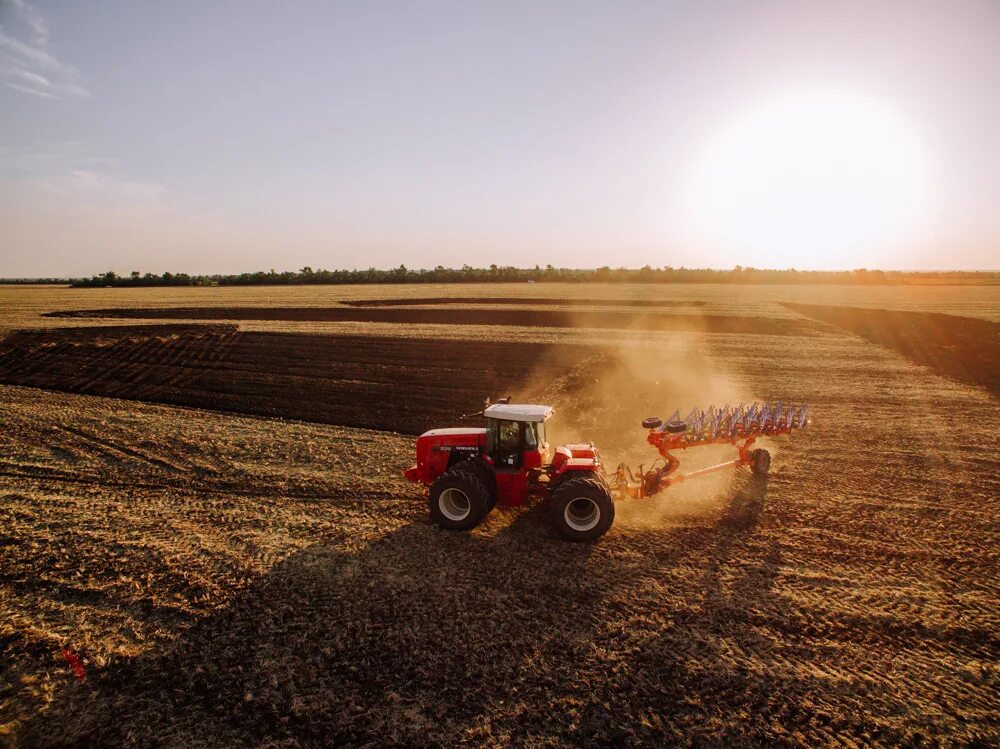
x=439, y=448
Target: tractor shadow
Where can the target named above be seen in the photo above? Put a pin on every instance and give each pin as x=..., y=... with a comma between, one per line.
x=726, y=588
x=428, y=637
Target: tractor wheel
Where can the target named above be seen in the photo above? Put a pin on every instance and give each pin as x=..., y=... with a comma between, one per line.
x=599, y=476
x=478, y=468
x=760, y=462
x=458, y=500
x=582, y=509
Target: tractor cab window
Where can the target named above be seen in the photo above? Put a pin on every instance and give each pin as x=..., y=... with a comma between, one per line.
x=509, y=436
x=534, y=435
x=530, y=436
x=539, y=428
x=503, y=442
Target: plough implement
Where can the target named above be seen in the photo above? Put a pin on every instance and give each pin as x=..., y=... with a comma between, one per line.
x=739, y=426
x=468, y=471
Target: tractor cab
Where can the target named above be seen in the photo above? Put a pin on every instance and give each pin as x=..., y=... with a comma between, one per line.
x=515, y=445
x=515, y=435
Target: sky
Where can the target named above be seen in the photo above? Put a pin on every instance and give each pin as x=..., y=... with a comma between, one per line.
x=222, y=137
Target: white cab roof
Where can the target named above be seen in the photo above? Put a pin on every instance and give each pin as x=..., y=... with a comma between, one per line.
x=452, y=430
x=519, y=412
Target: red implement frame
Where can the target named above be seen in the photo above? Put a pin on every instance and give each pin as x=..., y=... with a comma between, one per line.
x=731, y=428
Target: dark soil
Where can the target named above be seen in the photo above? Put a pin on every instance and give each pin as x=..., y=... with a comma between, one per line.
x=518, y=301
x=599, y=319
x=964, y=348
x=392, y=384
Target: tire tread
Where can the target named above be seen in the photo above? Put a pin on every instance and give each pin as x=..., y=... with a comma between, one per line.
x=587, y=484
x=478, y=495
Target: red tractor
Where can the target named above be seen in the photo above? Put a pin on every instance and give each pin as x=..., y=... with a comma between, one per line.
x=470, y=471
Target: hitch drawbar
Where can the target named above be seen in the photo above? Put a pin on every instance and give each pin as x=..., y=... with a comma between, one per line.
x=739, y=426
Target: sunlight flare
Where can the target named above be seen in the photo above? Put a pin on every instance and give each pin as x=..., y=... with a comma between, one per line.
x=825, y=175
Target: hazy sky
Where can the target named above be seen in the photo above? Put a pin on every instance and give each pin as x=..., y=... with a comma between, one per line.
x=232, y=136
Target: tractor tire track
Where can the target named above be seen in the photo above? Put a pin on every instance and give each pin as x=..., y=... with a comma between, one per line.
x=92, y=441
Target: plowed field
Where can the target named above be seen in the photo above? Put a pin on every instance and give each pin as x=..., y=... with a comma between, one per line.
x=520, y=302
x=959, y=347
x=266, y=577
x=393, y=384
x=525, y=318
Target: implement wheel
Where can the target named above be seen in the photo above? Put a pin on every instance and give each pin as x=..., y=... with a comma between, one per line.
x=458, y=501
x=582, y=509
x=760, y=462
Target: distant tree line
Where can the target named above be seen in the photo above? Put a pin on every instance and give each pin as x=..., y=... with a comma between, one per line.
x=509, y=274
x=32, y=281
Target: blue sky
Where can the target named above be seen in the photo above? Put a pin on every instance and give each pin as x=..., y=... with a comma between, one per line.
x=232, y=136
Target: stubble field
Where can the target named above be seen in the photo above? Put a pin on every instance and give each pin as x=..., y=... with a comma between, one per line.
x=201, y=499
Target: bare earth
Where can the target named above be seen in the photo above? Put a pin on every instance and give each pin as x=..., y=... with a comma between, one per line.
x=209, y=512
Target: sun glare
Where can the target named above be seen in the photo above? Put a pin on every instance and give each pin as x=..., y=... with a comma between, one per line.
x=812, y=180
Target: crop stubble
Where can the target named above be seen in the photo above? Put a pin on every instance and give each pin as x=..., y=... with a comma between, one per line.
x=231, y=579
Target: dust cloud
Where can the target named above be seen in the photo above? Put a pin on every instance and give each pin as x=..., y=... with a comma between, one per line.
x=604, y=398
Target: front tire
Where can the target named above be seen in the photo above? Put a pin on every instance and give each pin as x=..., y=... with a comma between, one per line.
x=477, y=467
x=582, y=508
x=458, y=501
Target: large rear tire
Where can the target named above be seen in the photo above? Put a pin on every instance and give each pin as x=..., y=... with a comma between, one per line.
x=582, y=508
x=477, y=467
x=458, y=501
